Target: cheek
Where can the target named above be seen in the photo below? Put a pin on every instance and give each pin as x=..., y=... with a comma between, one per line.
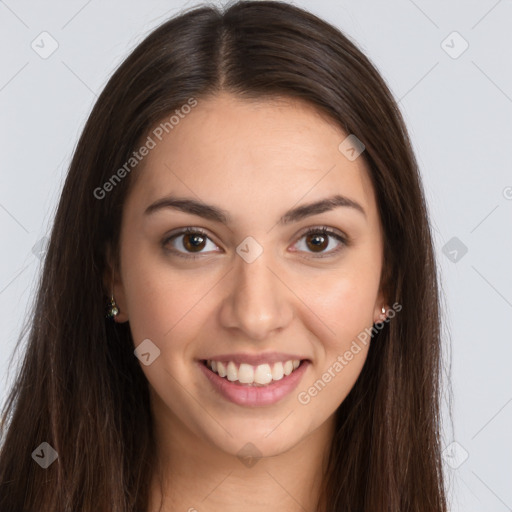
x=159, y=308
x=345, y=303
x=155, y=298
x=345, y=306
x=166, y=305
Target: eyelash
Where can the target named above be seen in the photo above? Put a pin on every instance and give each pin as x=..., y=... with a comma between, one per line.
x=322, y=230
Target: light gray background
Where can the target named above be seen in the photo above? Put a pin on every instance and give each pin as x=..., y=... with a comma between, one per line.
x=458, y=111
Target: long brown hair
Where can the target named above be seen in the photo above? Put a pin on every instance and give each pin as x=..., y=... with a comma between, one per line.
x=79, y=387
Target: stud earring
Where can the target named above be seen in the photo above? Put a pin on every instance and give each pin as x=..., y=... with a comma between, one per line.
x=383, y=314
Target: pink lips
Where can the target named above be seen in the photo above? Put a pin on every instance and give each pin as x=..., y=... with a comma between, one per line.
x=242, y=394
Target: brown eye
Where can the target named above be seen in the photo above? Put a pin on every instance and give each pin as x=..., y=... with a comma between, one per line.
x=188, y=242
x=193, y=241
x=317, y=240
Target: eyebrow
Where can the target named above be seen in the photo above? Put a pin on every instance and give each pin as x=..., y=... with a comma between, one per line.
x=216, y=214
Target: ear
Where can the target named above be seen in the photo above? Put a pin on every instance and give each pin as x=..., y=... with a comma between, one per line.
x=114, y=286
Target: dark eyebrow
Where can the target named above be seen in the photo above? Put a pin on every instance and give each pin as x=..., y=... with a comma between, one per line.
x=217, y=214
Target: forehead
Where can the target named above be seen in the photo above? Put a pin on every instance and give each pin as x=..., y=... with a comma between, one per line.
x=250, y=155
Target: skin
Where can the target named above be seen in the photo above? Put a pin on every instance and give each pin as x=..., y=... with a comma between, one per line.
x=247, y=156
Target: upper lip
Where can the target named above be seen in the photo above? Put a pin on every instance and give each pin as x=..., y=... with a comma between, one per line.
x=255, y=359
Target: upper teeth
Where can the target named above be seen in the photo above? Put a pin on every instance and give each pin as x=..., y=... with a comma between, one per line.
x=248, y=374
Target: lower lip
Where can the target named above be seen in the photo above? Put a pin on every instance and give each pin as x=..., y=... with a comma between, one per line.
x=243, y=394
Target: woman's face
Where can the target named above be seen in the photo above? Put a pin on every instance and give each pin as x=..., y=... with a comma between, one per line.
x=251, y=284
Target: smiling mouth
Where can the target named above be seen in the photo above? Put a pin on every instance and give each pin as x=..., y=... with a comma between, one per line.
x=253, y=375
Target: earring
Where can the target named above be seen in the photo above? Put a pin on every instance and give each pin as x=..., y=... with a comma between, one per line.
x=383, y=310
x=112, y=309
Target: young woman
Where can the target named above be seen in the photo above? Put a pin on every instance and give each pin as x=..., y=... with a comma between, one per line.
x=245, y=200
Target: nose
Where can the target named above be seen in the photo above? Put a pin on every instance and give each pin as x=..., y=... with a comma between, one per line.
x=258, y=302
